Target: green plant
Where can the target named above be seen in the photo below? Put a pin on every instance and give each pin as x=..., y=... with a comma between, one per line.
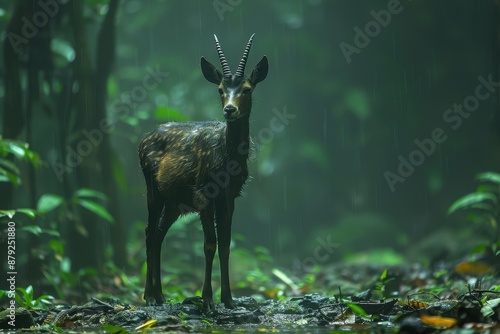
x=379, y=288
x=108, y=328
x=358, y=310
x=85, y=198
x=9, y=172
x=483, y=206
x=25, y=297
x=52, y=210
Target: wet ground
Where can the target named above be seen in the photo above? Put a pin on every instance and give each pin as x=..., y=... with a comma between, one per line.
x=306, y=313
x=409, y=300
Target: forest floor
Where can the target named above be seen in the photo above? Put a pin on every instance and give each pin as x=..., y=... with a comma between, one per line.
x=464, y=298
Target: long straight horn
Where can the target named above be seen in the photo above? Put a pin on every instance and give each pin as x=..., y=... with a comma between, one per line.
x=240, y=72
x=225, y=66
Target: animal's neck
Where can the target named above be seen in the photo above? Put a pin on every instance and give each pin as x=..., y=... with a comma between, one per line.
x=238, y=137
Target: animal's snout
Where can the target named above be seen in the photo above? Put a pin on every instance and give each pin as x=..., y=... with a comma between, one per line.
x=229, y=111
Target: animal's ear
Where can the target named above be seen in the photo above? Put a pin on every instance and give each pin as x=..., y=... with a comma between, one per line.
x=210, y=72
x=259, y=73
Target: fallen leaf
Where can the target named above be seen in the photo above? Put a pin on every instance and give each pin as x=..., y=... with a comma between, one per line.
x=147, y=324
x=473, y=268
x=438, y=321
x=417, y=304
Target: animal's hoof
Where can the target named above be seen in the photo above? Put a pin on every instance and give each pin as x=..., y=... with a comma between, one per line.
x=155, y=300
x=230, y=304
x=208, y=304
x=150, y=301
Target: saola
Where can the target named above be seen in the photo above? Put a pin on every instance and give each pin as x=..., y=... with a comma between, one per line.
x=200, y=167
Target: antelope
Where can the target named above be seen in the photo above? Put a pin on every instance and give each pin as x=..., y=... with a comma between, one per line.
x=200, y=167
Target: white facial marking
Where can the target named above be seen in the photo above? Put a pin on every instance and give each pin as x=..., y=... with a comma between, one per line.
x=230, y=99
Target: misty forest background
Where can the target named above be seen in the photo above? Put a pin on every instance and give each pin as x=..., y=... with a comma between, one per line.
x=320, y=178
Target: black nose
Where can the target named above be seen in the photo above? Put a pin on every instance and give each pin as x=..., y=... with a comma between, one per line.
x=229, y=110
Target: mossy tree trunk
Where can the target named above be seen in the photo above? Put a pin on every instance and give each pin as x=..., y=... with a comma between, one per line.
x=95, y=170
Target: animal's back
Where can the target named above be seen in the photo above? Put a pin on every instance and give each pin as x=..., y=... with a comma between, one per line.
x=180, y=156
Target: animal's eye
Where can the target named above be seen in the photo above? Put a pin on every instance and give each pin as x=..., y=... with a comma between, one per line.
x=221, y=91
x=247, y=91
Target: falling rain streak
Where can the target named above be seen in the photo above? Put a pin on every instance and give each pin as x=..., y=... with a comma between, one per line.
x=325, y=122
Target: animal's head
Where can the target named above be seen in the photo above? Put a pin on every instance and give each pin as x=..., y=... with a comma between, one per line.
x=235, y=90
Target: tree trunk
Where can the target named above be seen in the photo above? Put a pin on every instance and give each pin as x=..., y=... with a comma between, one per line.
x=13, y=116
x=86, y=247
x=106, y=49
x=95, y=170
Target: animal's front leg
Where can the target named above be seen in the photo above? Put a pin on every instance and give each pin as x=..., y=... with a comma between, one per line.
x=224, y=214
x=209, y=247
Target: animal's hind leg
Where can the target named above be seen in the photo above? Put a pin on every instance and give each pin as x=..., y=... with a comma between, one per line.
x=168, y=217
x=152, y=291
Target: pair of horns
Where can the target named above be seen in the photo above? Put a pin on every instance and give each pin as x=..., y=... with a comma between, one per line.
x=240, y=71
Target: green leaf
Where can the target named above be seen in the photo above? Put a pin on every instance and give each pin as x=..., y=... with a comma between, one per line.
x=33, y=229
x=49, y=202
x=470, y=199
x=488, y=187
x=63, y=48
x=56, y=246
x=17, y=148
x=6, y=176
x=85, y=192
x=33, y=158
x=489, y=176
x=9, y=165
x=28, y=212
x=53, y=233
x=114, y=329
x=285, y=279
x=8, y=213
x=26, y=296
x=65, y=265
x=87, y=271
x=488, y=309
x=482, y=206
x=478, y=249
x=163, y=113
x=95, y=208
x=44, y=301
x=37, y=230
x=358, y=310
x=383, y=276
